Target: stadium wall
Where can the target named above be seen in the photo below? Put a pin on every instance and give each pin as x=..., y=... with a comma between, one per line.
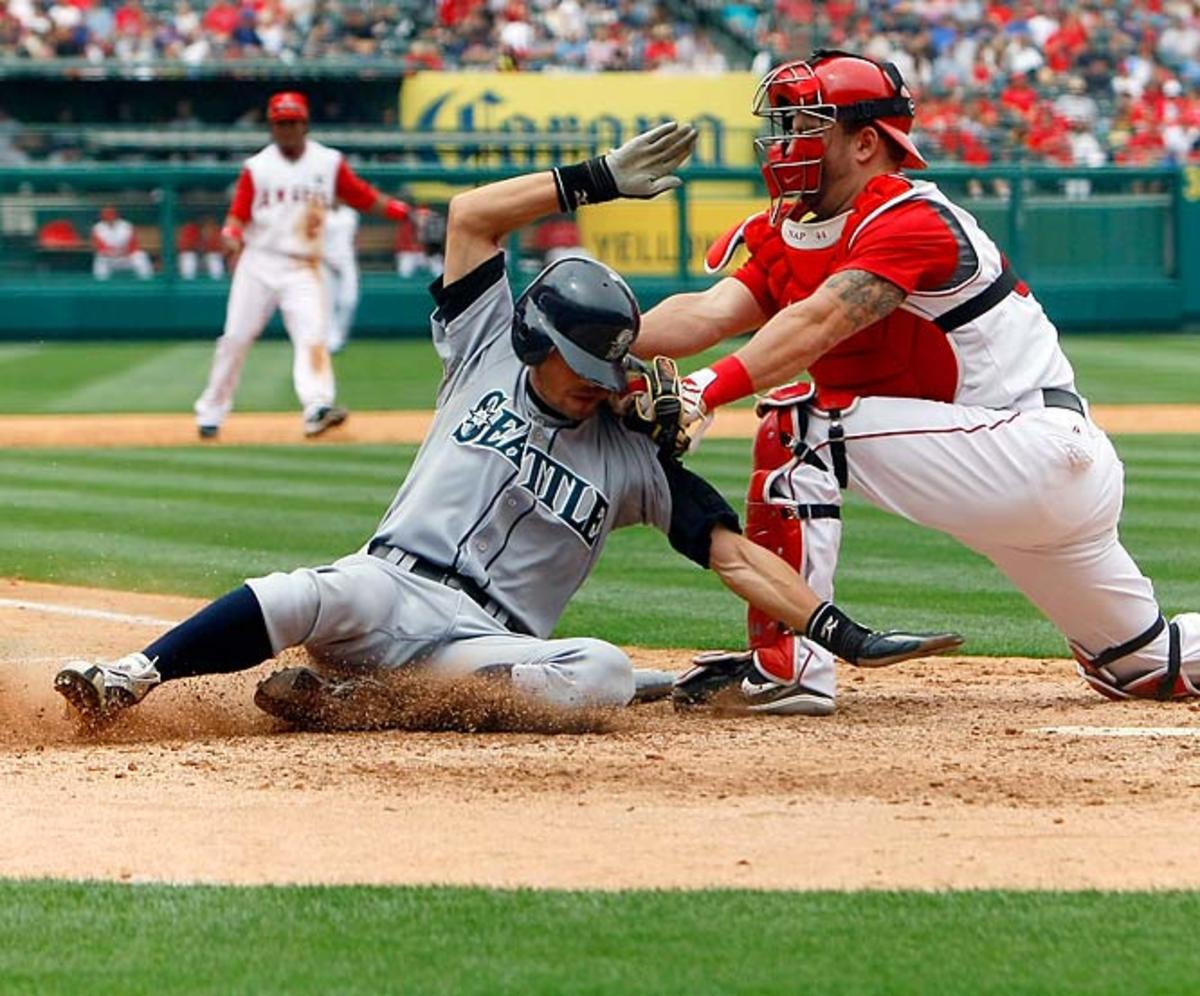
x=1120, y=252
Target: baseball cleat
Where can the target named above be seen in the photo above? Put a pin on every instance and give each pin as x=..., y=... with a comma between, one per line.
x=882, y=649
x=323, y=419
x=729, y=680
x=759, y=694
x=208, y=431
x=99, y=691
x=651, y=684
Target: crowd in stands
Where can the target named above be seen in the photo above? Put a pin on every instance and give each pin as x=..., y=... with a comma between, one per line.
x=450, y=34
x=1057, y=81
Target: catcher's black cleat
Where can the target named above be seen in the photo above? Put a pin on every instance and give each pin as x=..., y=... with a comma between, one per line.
x=709, y=674
x=882, y=649
x=759, y=694
x=729, y=680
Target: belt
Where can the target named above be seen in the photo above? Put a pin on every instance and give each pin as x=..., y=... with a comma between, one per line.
x=451, y=579
x=1057, y=397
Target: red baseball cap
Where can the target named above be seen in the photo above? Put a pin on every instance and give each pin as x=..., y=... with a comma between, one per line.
x=287, y=106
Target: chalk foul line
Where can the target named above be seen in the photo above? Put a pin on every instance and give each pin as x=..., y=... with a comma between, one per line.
x=79, y=612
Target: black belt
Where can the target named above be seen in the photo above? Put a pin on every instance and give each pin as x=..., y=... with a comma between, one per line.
x=1057, y=397
x=451, y=579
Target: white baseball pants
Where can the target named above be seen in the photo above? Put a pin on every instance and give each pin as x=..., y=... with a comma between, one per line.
x=138, y=261
x=1038, y=491
x=341, y=294
x=261, y=283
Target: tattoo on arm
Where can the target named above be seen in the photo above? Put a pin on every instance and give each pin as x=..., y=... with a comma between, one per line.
x=864, y=297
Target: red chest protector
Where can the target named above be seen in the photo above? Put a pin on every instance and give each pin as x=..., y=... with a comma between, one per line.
x=902, y=355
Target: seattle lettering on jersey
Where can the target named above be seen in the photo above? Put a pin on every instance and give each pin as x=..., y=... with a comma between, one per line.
x=490, y=425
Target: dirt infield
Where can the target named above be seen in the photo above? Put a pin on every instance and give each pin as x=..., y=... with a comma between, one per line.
x=410, y=427
x=932, y=775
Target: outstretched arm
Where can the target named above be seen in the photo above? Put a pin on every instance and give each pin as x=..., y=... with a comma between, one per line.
x=685, y=324
x=642, y=168
x=794, y=338
x=767, y=582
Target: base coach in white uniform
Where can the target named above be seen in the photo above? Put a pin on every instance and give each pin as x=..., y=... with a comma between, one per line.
x=524, y=472
x=275, y=235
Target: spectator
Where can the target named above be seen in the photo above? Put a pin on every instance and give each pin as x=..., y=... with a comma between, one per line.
x=115, y=243
x=1077, y=104
x=197, y=243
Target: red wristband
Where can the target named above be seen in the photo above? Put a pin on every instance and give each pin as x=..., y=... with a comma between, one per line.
x=396, y=210
x=231, y=232
x=731, y=383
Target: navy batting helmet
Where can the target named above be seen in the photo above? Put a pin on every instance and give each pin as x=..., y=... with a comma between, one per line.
x=585, y=311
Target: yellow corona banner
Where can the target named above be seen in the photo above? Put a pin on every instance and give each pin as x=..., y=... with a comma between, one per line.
x=641, y=238
x=605, y=108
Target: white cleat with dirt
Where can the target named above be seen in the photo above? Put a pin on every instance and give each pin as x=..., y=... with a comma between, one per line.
x=99, y=691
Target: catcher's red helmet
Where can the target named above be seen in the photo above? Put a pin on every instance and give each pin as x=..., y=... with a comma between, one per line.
x=805, y=98
x=287, y=105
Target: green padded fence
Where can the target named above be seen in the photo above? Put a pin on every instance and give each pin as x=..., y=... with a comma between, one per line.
x=1104, y=248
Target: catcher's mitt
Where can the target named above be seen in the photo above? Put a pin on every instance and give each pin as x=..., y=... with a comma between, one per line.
x=655, y=404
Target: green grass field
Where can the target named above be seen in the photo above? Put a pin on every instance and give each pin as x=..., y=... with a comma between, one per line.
x=133, y=940
x=195, y=521
x=381, y=374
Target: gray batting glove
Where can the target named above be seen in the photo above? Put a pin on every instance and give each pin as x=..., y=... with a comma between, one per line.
x=644, y=166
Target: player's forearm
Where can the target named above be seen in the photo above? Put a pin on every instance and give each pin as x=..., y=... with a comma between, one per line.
x=493, y=211
x=762, y=579
x=680, y=326
x=794, y=338
x=789, y=343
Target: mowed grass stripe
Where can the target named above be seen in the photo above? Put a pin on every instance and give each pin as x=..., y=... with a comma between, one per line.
x=1136, y=368
x=467, y=941
x=315, y=494
x=167, y=379
x=404, y=373
x=198, y=521
x=378, y=463
x=36, y=380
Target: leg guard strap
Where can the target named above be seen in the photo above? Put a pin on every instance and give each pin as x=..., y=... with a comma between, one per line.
x=1166, y=687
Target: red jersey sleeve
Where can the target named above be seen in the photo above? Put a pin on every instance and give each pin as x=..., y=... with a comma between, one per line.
x=352, y=189
x=753, y=274
x=914, y=246
x=243, y=198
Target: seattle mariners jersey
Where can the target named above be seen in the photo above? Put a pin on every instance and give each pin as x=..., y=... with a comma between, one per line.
x=503, y=490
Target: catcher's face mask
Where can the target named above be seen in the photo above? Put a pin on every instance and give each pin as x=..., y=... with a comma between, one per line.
x=789, y=99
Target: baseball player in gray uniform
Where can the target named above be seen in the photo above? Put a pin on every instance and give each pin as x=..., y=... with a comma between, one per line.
x=525, y=471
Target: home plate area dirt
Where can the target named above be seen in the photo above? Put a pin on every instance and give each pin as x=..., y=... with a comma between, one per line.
x=949, y=773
